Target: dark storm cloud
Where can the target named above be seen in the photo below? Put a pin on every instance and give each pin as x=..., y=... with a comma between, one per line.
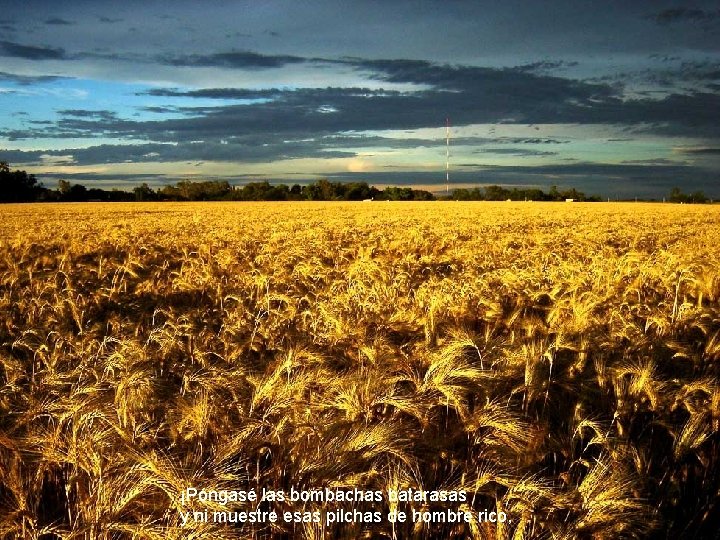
x=545, y=65
x=608, y=170
x=700, y=71
x=233, y=59
x=160, y=110
x=664, y=57
x=696, y=109
x=109, y=20
x=30, y=52
x=247, y=149
x=685, y=14
x=58, y=21
x=466, y=94
x=520, y=152
x=652, y=161
x=375, y=141
x=84, y=113
x=26, y=80
x=697, y=75
x=510, y=83
x=137, y=58
x=215, y=93
x=701, y=151
x=8, y=25
x=538, y=140
x=250, y=148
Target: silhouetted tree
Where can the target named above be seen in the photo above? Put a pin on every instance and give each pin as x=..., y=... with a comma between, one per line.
x=422, y=195
x=698, y=197
x=17, y=186
x=78, y=193
x=392, y=193
x=677, y=196
x=144, y=193
x=496, y=193
x=358, y=191
x=296, y=192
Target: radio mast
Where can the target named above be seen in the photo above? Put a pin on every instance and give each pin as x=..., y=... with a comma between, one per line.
x=447, y=155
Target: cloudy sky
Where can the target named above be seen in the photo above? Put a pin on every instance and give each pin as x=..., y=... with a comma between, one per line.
x=618, y=99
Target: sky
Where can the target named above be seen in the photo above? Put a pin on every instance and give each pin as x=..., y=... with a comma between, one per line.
x=617, y=99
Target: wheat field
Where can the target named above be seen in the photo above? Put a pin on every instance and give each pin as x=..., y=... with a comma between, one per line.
x=557, y=362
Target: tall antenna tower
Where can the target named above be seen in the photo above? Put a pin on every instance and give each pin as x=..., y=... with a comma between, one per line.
x=447, y=155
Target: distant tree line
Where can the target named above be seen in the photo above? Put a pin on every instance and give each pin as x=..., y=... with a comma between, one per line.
x=677, y=196
x=498, y=193
x=19, y=186
x=321, y=190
